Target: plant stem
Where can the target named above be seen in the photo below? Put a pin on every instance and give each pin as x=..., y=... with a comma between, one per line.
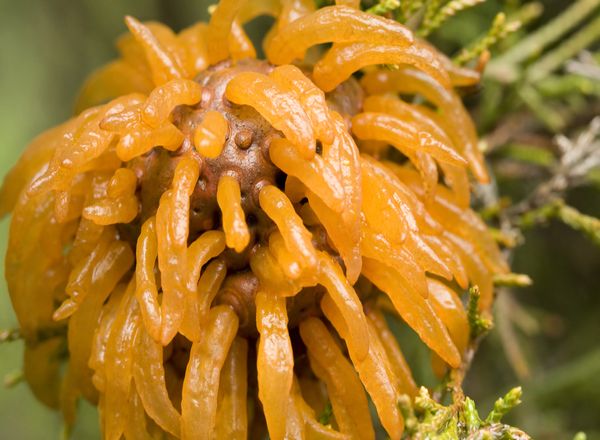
x=552, y=119
x=568, y=49
x=504, y=68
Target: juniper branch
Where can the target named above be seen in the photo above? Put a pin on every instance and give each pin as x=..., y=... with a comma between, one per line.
x=501, y=27
x=512, y=280
x=545, y=113
x=504, y=404
x=585, y=66
x=504, y=68
x=579, y=157
x=556, y=58
x=384, y=7
x=434, y=19
x=588, y=225
x=432, y=7
x=477, y=322
x=427, y=419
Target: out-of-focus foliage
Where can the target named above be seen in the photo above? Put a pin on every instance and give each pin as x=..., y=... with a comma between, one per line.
x=534, y=108
x=543, y=81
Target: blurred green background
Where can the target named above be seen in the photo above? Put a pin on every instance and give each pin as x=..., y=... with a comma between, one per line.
x=48, y=47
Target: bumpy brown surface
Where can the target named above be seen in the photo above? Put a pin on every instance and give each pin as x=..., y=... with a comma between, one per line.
x=245, y=156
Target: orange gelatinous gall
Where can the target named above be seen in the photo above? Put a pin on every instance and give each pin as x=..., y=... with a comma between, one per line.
x=213, y=238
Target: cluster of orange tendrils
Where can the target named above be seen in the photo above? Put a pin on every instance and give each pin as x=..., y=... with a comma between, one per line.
x=206, y=210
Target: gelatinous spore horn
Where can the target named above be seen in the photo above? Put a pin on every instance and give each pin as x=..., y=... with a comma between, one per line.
x=242, y=138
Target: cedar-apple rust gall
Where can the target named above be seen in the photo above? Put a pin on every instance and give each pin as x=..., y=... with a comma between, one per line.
x=217, y=237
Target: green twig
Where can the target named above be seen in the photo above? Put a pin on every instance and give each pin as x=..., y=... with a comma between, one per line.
x=556, y=86
x=512, y=280
x=427, y=419
x=501, y=27
x=531, y=154
x=588, y=225
x=504, y=67
x=432, y=7
x=545, y=113
x=471, y=415
x=411, y=423
x=505, y=319
x=410, y=7
x=384, y=7
x=477, y=323
x=504, y=404
x=434, y=19
x=575, y=44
